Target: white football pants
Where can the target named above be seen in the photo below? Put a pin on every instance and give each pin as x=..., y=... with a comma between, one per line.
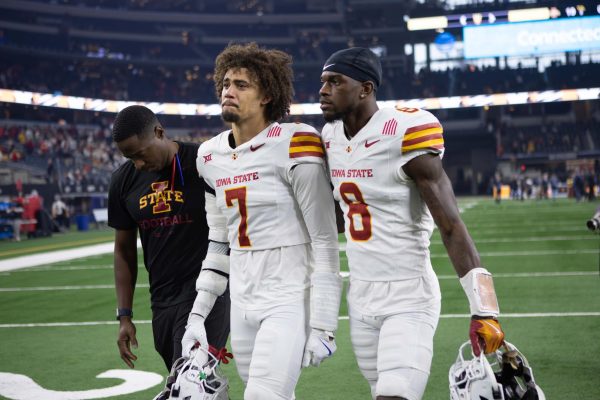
x=394, y=352
x=268, y=346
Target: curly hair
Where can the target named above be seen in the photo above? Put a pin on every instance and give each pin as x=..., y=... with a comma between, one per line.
x=271, y=69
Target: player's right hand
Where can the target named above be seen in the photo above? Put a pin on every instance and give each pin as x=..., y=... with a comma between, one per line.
x=126, y=339
x=195, y=334
x=319, y=346
x=486, y=334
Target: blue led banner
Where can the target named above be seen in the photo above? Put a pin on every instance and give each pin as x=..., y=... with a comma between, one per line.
x=531, y=38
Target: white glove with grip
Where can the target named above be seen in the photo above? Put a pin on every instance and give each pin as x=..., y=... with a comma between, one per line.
x=195, y=333
x=319, y=346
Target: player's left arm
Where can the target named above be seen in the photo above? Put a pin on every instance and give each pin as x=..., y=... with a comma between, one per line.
x=436, y=190
x=213, y=278
x=313, y=193
x=339, y=218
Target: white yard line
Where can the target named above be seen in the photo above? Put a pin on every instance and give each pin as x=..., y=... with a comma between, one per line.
x=524, y=229
x=43, y=259
x=59, y=324
x=531, y=315
x=55, y=256
x=342, y=317
x=464, y=207
x=346, y=274
x=528, y=211
x=343, y=248
x=532, y=274
x=69, y=287
x=530, y=239
x=528, y=253
x=55, y=268
x=524, y=222
x=50, y=257
x=515, y=253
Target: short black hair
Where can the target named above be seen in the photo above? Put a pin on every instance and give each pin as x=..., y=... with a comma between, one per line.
x=133, y=120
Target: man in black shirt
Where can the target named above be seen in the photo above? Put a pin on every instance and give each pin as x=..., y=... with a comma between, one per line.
x=158, y=192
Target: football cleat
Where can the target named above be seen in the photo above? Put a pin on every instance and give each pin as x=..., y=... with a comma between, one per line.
x=502, y=375
x=189, y=380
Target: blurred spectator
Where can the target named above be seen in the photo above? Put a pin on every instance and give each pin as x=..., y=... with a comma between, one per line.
x=12, y=215
x=554, y=185
x=590, y=183
x=32, y=205
x=578, y=185
x=497, y=187
x=60, y=213
x=545, y=185
x=50, y=171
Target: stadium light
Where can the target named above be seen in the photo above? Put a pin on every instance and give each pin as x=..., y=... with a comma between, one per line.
x=432, y=103
x=529, y=14
x=419, y=24
x=479, y=18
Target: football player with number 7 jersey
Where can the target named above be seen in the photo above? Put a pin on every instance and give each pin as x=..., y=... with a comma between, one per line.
x=270, y=206
x=385, y=167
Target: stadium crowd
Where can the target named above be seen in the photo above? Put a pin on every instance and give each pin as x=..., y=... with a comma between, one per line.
x=81, y=58
x=80, y=158
x=194, y=84
x=549, y=139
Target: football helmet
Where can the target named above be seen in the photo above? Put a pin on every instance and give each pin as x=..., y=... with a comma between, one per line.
x=189, y=380
x=503, y=375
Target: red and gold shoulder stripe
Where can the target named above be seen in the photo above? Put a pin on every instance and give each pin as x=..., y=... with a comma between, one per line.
x=426, y=136
x=306, y=144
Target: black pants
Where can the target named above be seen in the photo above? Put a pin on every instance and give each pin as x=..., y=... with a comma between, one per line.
x=168, y=327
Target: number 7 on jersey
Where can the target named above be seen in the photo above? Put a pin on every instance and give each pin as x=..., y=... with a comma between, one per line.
x=239, y=195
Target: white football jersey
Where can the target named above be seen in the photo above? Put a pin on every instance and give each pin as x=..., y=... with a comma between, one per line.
x=388, y=225
x=271, y=252
x=251, y=184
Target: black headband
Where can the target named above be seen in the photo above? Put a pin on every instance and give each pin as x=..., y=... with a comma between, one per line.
x=358, y=63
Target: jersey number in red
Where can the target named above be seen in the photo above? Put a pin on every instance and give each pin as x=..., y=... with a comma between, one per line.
x=239, y=194
x=357, y=209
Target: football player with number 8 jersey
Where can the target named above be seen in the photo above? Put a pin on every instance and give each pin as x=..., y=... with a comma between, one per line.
x=385, y=167
x=271, y=206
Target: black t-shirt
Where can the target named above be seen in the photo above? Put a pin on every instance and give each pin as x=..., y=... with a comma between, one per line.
x=171, y=223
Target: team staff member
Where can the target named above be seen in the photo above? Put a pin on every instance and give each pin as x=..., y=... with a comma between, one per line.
x=386, y=169
x=158, y=193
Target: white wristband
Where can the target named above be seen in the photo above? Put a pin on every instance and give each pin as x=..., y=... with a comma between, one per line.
x=325, y=297
x=209, y=286
x=479, y=288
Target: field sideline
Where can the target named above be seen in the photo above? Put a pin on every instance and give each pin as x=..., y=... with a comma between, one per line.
x=57, y=320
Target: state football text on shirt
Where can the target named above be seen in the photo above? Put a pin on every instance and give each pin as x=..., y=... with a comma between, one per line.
x=250, y=176
x=165, y=221
x=352, y=173
x=161, y=197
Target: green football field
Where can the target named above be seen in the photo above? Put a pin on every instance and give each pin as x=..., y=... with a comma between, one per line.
x=57, y=322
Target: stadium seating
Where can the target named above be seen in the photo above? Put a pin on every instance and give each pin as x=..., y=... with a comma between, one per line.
x=157, y=51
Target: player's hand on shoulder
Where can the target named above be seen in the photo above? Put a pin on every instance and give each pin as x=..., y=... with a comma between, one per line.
x=486, y=334
x=319, y=346
x=195, y=335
